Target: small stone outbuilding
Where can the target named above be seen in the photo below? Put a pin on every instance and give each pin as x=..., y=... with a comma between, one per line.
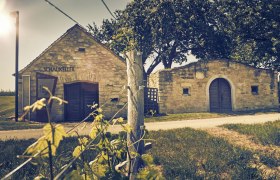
x=79, y=69
x=215, y=86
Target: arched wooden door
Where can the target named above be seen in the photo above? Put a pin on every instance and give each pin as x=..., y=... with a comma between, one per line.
x=220, y=96
x=79, y=95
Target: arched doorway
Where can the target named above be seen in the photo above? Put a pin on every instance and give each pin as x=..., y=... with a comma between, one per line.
x=220, y=96
x=79, y=95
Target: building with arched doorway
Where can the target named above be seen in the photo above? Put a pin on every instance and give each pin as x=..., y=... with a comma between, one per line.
x=215, y=86
x=81, y=70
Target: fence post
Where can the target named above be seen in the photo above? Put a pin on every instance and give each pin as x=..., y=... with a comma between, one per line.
x=135, y=113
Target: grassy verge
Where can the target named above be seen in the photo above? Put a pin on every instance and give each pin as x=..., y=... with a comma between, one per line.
x=6, y=102
x=267, y=133
x=183, y=154
x=12, y=148
x=7, y=110
x=184, y=116
x=191, y=154
x=11, y=125
x=204, y=115
x=8, y=161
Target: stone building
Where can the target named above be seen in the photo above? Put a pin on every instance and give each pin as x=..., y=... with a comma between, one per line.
x=79, y=69
x=215, y=86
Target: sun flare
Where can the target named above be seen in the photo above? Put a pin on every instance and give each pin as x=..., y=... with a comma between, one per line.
x=5, y=24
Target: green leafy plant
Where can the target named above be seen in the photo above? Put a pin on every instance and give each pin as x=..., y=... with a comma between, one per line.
x=108, y=153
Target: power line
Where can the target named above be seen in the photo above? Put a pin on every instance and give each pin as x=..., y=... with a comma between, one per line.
x=108, y=9
x=57, y=8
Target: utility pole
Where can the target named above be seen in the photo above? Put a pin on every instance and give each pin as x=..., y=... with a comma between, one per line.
x=135, y=113
x=16, y=14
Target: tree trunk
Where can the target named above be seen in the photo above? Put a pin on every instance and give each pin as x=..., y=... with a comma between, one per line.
x=135, y=114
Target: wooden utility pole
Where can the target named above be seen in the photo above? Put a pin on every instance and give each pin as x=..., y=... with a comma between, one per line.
x=135, y=113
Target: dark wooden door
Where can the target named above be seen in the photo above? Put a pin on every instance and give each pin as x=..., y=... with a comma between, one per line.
x=72, y=95
x=49, y=82
x=220, y=96
x=89, y=97
x=79, y=96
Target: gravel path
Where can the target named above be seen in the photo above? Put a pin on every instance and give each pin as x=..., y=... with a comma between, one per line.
x=197, y=124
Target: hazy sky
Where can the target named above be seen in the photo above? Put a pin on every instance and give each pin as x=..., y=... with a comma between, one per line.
x=41, y=25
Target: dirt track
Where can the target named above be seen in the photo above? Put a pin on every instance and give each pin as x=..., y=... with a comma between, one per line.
x=197, y=124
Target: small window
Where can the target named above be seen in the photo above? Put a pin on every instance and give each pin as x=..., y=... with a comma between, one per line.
x=186, y=91
x=255, y=90
x=114, y=100
x=82, y=49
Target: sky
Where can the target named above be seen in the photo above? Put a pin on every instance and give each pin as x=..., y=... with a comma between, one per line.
x=40, y=25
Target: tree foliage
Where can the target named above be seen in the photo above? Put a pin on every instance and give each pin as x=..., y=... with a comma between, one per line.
x=166, y=31
x=253, y=27
x=162, y=30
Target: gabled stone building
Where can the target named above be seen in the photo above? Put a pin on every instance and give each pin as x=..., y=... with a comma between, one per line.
x=215, y=86
x=79, y=69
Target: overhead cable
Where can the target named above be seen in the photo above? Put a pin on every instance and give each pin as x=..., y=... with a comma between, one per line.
x=57, y=8
x=108, y=9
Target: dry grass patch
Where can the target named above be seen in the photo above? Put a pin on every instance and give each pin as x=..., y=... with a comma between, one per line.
x=266, y=158
x=245, y=141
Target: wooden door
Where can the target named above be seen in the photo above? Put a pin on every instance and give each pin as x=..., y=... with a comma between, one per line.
x=49, y=82
x=79, y=96
x=220, y=96
x=72, y=95
x=89, y=97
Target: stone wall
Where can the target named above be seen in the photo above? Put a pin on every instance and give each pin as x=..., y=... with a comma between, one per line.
x=81, y=59
x=197, y=77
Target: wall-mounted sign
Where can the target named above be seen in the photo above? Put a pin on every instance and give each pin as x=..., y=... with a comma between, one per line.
x=79, y=76
x=59, y=69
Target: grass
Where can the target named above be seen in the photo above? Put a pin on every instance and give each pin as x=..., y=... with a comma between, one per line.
x=6, y=107
x=7, y=110
x=12, y=148
x=7, y=102
x=184, y=116
x=192, y=154
x=182, y=154
x=10, y=125
x=204, y=115
x=8, y=161
x=267, y=133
